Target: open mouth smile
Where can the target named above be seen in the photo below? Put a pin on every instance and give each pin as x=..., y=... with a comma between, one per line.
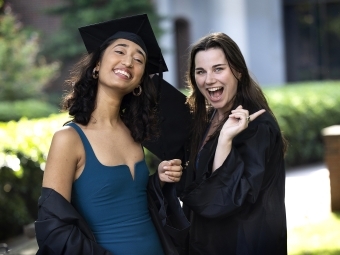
x=215, y=93
x=122, y=72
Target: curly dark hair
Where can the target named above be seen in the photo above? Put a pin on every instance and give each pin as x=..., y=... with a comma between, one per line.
x=139, y=113
x=248, y=94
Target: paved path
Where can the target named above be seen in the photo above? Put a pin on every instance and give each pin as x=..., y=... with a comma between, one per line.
x=308, y=197
x=307, y=200
x=23, y=245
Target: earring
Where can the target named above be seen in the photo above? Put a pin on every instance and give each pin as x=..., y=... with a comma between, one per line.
x=139, y=91
x=95, y=74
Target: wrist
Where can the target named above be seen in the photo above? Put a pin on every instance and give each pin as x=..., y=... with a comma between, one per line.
x=225, y=141
x=161, y=183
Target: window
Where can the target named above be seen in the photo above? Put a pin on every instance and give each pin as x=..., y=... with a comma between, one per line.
x=312, y=39
x=182, y=45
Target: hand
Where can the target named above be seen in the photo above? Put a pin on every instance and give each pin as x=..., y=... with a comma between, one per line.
x=170, y=171
x=238, y=121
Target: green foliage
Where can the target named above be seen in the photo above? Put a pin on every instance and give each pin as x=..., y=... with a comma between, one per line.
x=30, y=108
x=67, y=43
x=32, y=138
x=19, y=196
x=302, y=111
x=23, y=151
x=22, y=73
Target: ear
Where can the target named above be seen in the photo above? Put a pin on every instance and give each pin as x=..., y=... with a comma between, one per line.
x=239, y=76
x=97, y=66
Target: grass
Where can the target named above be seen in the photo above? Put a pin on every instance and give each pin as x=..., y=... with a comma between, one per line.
x=322, y=238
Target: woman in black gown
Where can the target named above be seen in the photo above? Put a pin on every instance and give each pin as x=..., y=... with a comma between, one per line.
x=233, y=188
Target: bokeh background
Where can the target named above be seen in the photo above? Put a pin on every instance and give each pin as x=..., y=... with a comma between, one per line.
x=292, y=48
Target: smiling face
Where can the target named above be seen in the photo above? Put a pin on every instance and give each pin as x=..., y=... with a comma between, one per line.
x=214, y=78
x=122, y=66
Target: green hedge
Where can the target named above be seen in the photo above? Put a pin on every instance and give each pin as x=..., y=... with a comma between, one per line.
x=302, y=110
x=23, y=150
x=31, y=108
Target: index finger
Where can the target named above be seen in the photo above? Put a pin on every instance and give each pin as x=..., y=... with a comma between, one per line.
x=256, y=114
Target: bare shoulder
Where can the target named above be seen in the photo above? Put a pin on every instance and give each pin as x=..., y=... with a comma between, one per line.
x=65, y=141
x=65, y=135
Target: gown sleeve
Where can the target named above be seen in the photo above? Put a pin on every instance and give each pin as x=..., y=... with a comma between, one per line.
x=239, y=179
x=61, y=230
x=168, y=217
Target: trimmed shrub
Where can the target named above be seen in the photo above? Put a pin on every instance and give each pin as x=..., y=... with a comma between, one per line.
x=19, y=196
x=23, y=151
x=302, y=111
x=30, y=108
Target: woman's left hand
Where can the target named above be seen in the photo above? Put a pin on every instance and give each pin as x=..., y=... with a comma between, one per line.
x=238, y=121
x=170, y=171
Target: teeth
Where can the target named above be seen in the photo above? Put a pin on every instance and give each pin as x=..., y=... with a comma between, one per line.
x=214, y=89
x=123, y=73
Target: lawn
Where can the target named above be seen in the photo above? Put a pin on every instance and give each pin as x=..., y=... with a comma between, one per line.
x=322, y=238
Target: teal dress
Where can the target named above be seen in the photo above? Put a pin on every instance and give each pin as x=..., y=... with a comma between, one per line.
x=114, y=204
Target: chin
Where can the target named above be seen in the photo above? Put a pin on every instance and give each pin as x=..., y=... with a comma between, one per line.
x=217, y=105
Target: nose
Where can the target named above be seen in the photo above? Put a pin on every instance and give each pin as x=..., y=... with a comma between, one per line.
x=127, y=61
x=210, y=79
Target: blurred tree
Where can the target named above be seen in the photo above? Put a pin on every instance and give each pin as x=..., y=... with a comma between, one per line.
x=66, y=43
x=2, y=5
x=22, y=73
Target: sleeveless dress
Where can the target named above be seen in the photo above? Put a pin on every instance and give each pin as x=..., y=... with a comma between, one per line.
x=114, y=204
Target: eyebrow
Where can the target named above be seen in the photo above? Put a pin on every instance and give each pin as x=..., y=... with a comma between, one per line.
x=126, y=46
x=214, y=66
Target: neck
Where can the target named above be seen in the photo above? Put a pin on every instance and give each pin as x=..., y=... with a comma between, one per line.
x=218, y=116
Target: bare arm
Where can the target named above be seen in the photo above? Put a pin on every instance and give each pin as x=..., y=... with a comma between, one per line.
x=236, y=123
x=62, y=162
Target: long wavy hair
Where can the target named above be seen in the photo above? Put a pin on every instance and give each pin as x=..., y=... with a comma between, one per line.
x=139, y=113
x=248, y=94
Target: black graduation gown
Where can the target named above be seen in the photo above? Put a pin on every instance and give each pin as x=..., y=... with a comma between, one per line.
x=60, y=229
x=239, y=209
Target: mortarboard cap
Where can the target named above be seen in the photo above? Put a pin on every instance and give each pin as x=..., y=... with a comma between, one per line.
x=175, y=122
x=134, y=28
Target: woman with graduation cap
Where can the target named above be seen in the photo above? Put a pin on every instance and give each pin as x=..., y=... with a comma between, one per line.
x=97, y=196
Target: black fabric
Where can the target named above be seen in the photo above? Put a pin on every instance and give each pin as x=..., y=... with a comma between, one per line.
x=60, y=229
x=95, y=35
x=131, y=37
x=175, y=121
x=239, y=208
x=168, y=217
